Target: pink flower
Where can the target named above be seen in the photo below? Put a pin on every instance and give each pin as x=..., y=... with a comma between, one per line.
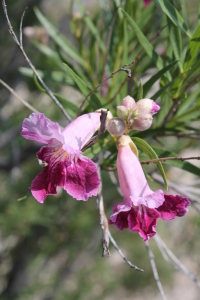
x=147, y=2
x=62, y=159
x=141, y=206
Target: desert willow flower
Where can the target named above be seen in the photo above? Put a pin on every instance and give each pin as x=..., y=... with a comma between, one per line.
x=141, y=207
x=62, y=160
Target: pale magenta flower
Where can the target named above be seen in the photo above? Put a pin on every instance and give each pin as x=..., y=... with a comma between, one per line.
x=141, y=206
x=62, y=160
x=137, y=115
x=147, y=2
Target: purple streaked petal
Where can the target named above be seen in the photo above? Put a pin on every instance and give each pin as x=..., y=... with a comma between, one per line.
x=143, y=220
x=79, y=131
x=82, y=180
x=38, y=128
x=173, y=206
x=120, y=216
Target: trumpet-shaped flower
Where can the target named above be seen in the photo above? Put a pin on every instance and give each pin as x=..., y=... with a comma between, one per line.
x=62, y=160
x=141, y=206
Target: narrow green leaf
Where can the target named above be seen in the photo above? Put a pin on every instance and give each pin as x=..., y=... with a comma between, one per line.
x=192, y=49
x=147, y=86
x=144, y=146
x=92, y=27
x=22, y=198
x=144, y=42
x=176, y=41
x=186, y=104
x=70, y=107
x=140, y=91
x=184, y=165
x=55, y=76
x=173, y=15
x=59, y=39
x=161, y=91
x=93, y=100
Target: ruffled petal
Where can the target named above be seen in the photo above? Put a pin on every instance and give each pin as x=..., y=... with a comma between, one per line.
x=153, y=200
x=78, y=175
x=173, y=206
x=120, y=216
x=82, y=180
x=143, y=220
x=79, y=131
x=53, y=175
x=38, y=128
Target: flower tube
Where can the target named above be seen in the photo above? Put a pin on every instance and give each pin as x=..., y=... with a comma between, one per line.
x=62, y=160
x=141, y=206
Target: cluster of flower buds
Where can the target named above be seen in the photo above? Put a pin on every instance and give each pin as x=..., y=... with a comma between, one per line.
x=133, y=116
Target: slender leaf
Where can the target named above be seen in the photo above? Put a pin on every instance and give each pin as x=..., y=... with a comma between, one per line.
x=55, y=76
x=144, y=42
x=173, y=15
x=140, y=91
x=147, y=86
x=92, y=27
x=192, y=49
x=144, y=146
x=185, y=105
x=71, y=108
x=59, y=39
x=184, y=165
x=176, y=41
x=93, y=100
x=161, y=91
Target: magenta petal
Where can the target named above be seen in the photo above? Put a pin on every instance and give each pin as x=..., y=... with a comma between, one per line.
x=153, y=200
x=173, y=206
x=120, y=216
x=38, y=128
x=82, y=180
x=52, y=176
x=79, y=131
x=155, y=108
x=147, y=2
x=143, y=220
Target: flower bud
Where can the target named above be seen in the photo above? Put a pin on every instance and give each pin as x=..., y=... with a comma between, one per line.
x=129, y=102
x=147, y=106
x=125, y=140
x=122, y=112
x=142, y=122
x=116, y=126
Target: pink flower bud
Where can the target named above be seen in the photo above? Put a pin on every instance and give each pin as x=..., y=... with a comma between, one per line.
x=147, y=106
x=122, y=112
x=142, y=122
x=116, y=126
x=129, y=102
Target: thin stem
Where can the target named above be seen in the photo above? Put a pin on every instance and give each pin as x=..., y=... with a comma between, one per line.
x=122, y=255
x=128, y=71
x=171, y=111
x=103, y=120
x=175, y=261
x=163, y=159
x=49, y=92
x=103, y=219
x=154, y=269
x=20, y=30
x=18, y=97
